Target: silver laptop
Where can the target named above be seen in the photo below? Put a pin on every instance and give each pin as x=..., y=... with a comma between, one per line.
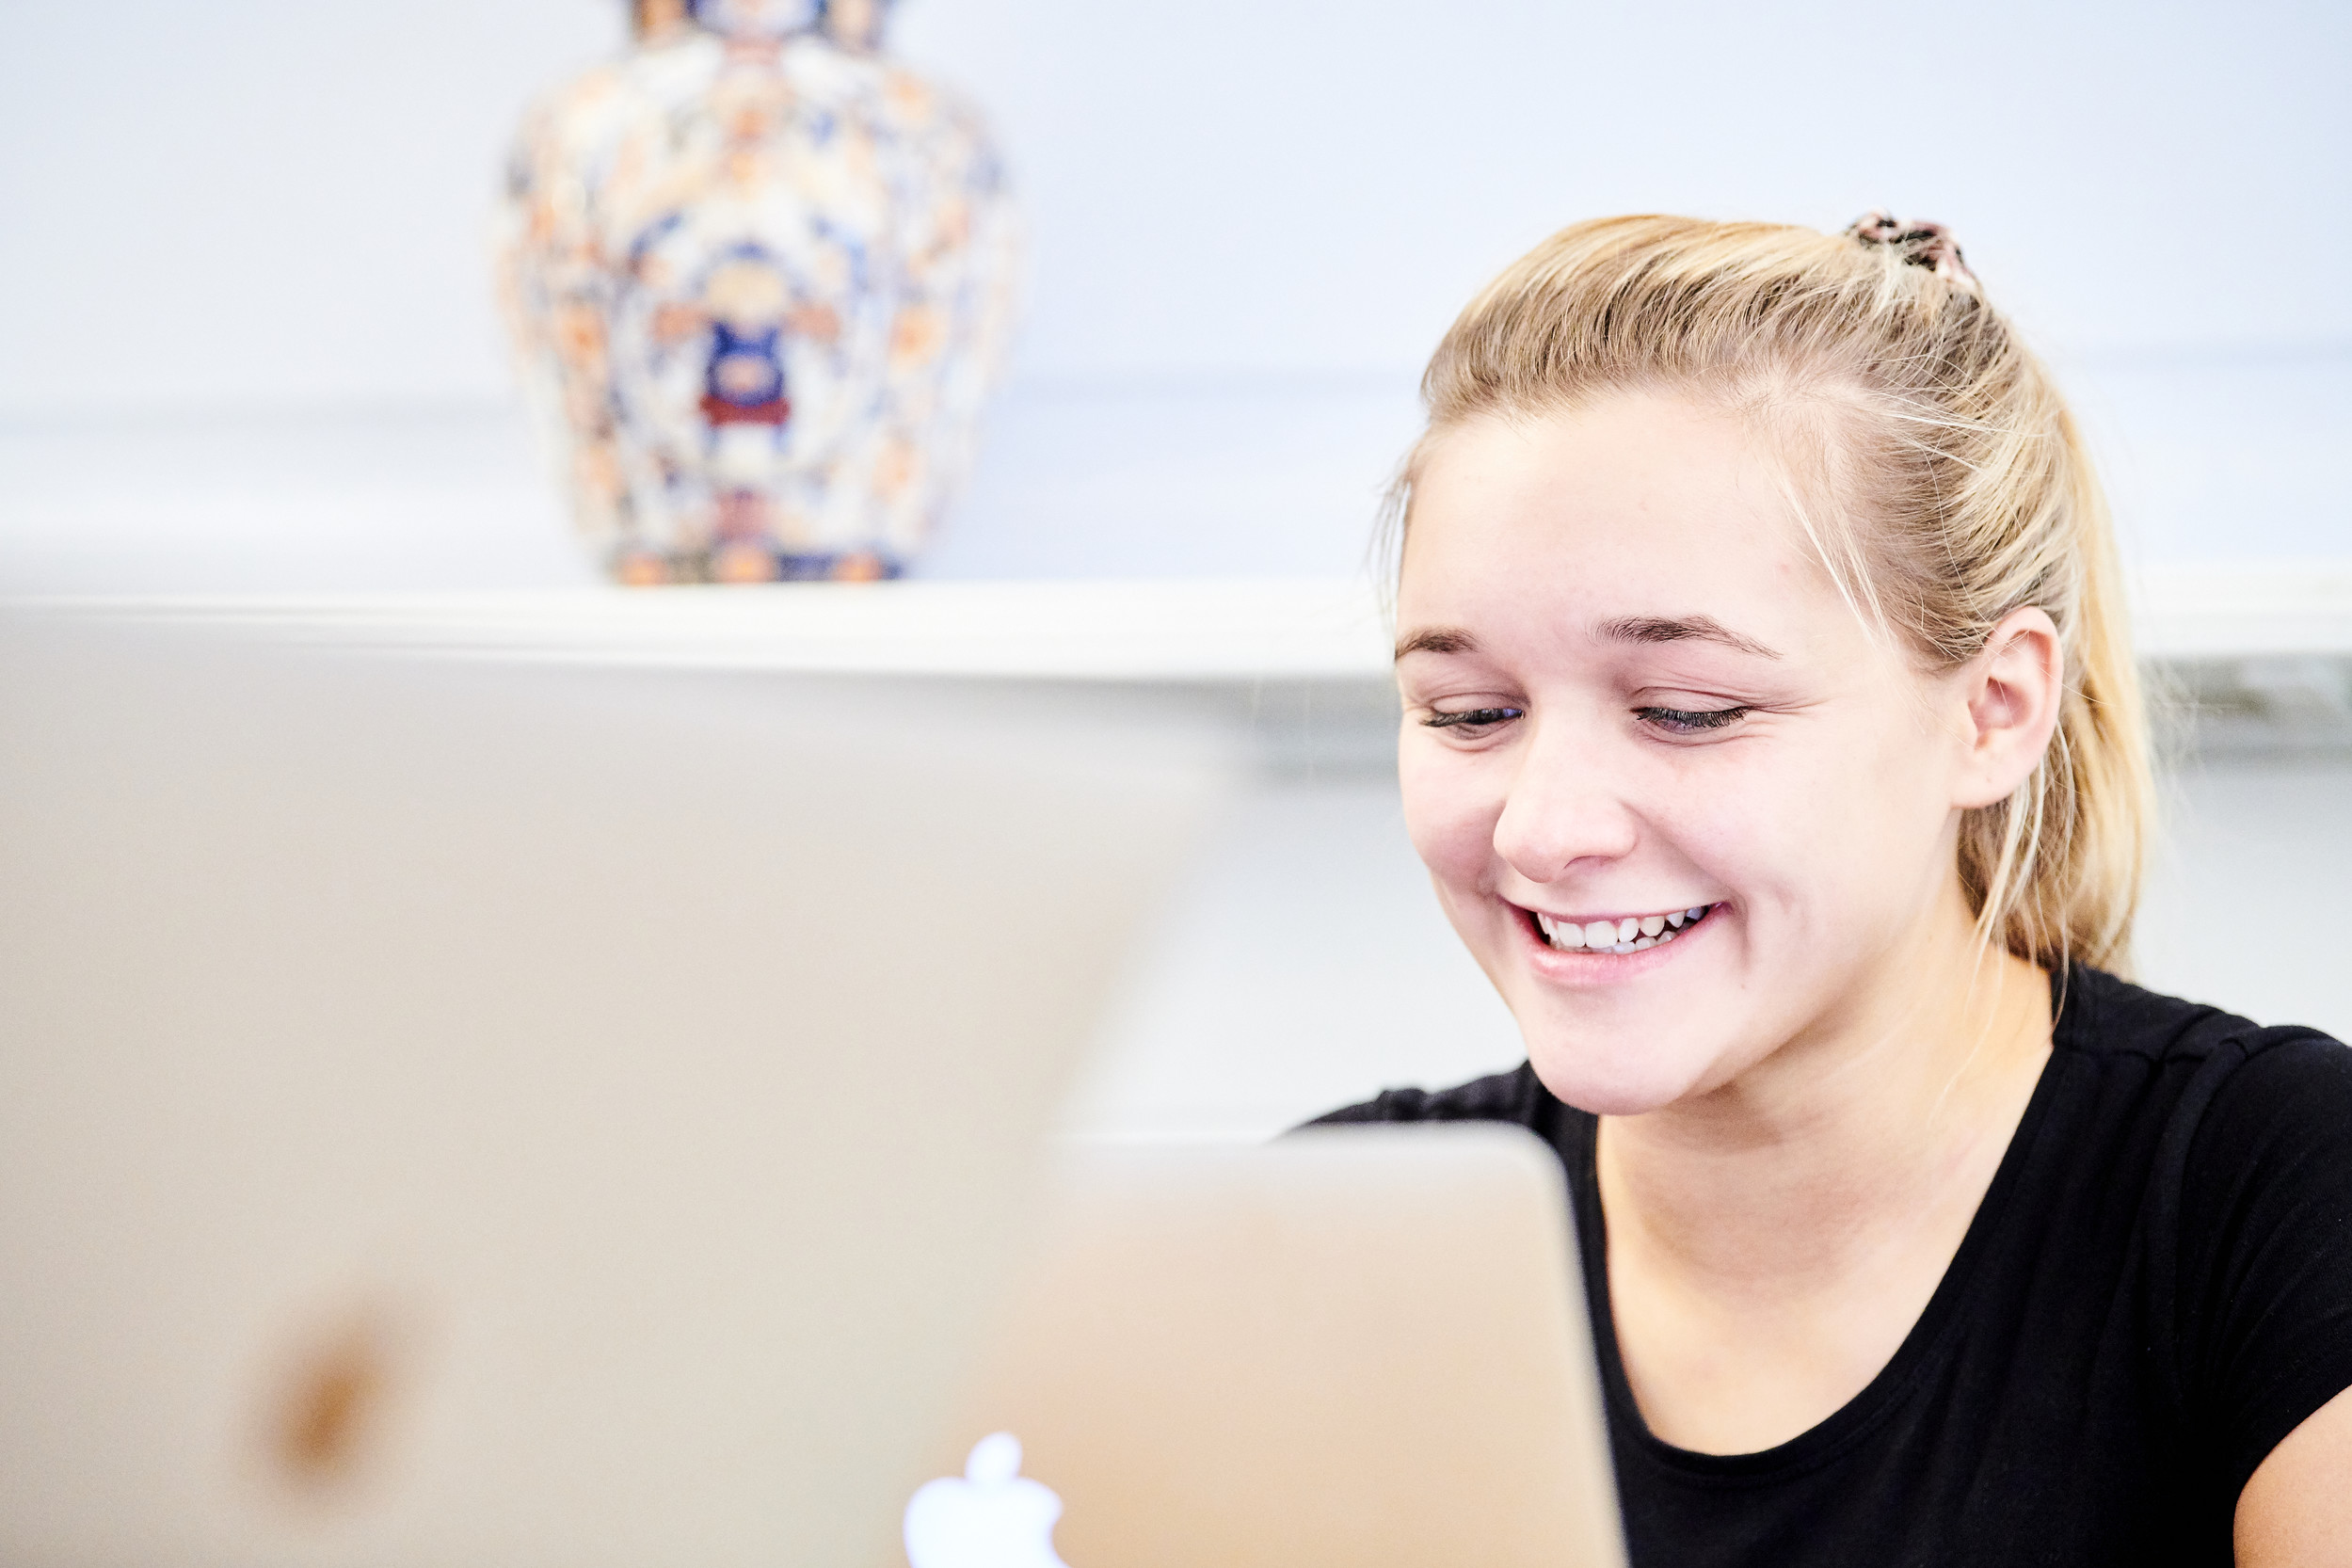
x=453, y=1113
x=1361, y=1347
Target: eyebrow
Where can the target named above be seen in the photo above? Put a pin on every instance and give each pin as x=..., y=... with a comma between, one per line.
x=1683, y=629
x=1630, y=629
x=1438, y=639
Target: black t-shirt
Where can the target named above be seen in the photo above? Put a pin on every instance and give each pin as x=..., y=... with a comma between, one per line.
x=2156, y=1288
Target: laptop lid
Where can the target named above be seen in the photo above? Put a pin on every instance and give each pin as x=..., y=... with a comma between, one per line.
x=459, y=1112
x=1361, y=1347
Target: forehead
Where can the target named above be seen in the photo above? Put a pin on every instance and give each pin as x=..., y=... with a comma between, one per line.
x=1635, y=506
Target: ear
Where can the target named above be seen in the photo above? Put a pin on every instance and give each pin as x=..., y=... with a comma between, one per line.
x=2011, y=691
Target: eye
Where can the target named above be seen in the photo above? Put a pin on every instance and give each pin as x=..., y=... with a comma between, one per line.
x=1471, y=718
x=1677, y=721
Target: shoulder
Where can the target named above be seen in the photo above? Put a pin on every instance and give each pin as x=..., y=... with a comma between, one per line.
x=2248, y=1204
x=1512, y=1096
x=2103, y=1016
x=2234, y=1083
x=2278, y=1092
x=2262, y=1146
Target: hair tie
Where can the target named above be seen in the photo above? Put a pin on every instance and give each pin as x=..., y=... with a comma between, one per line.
x=1928, y=245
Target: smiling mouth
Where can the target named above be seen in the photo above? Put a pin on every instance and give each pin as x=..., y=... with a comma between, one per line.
x=1625, y=934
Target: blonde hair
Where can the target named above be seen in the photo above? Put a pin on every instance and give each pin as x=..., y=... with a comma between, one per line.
x=1952, y=483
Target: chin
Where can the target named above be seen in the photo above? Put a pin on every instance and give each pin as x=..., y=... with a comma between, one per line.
x=1615, y=1077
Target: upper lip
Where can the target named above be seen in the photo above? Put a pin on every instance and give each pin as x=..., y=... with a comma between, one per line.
x=1620, y=915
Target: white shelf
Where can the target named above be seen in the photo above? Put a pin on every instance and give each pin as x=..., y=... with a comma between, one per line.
x=1191, y=632
x=1177, y=631
x=2295, y=610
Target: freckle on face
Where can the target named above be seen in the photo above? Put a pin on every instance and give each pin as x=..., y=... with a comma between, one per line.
x=1816, y=824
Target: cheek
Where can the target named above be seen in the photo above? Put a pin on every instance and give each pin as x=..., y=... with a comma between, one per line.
x=1834, y=835
x=1731, y=838
x=1449, y=811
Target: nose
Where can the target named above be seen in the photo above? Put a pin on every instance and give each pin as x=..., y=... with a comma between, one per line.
x=1561, y=810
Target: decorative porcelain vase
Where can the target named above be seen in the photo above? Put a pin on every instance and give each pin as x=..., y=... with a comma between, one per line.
x=761, y=279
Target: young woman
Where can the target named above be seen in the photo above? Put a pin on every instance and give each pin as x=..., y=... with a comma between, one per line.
x=1772, y=740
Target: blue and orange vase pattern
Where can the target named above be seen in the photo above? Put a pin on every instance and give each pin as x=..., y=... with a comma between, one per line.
x=761, y=279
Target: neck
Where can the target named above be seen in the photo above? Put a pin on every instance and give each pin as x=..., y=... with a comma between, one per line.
x=1805, y=1169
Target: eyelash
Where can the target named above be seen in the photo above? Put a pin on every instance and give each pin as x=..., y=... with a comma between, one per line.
x=1681, y=722
x=1673, y=720
x=1475, y=719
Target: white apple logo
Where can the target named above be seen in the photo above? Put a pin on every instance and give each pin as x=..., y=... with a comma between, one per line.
x=992, y=1517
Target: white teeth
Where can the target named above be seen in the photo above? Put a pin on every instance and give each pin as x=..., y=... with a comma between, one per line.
x=1561, y=933
x=1632, y=934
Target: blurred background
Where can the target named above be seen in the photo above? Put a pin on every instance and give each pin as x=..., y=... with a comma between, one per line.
x=248, y=344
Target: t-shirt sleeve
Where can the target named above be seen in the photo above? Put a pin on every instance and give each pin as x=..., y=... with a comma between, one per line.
x=2265, y=1250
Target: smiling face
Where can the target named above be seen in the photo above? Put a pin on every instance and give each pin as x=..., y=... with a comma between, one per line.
x=1631, y=693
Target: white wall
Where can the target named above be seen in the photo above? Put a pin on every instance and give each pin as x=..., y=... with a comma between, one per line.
x=284, y=199
x=271, y=200
x=264, y=225
x=1319, y=184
